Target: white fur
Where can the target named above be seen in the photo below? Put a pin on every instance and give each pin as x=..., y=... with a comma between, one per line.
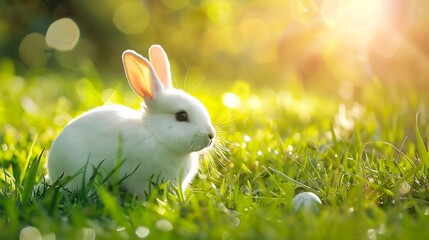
x=151, y=140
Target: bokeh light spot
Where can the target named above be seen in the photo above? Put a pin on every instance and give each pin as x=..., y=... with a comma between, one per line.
x=29, y=106
x=32, y=50
x=63, y=34
x=30, y=233
x=18, y=84
x=142, y=232
x=254, y=102
x=49, y=236
x=164, y=225
x=346, y=90
x=176, y=4
x=131, y=17
x=218, y=12
x=231, y=100
x=88, y=234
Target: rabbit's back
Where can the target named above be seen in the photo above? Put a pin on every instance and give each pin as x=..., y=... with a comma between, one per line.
x=93, y=137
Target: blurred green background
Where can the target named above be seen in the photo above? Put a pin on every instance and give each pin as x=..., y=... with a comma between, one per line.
x=328, y=45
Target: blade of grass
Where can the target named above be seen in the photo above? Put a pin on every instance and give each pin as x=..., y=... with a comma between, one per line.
x=421, y=148
x=27, y=161
x=111, y=204
x=294, y=181
x=30, y=179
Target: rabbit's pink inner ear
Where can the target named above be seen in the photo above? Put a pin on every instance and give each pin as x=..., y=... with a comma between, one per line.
x=138, y=75
x=160, y=63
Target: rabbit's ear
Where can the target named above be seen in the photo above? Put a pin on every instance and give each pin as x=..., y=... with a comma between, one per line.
x=141, y=75
x=160, y=63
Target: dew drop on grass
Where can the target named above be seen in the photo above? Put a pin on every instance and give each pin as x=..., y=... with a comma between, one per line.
x=142, y=232
x=235, y=222
x=120, y=228
x=160, y=211
x=122, y=232
x=372, y=234
x=247, y=138
x=164, y=225
x=426, y=211
x=30, y=233
x=88, y=234
x=382, y=229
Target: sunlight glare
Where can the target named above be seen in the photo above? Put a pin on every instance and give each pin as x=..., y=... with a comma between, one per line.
x=354, y=20
x=352, y=14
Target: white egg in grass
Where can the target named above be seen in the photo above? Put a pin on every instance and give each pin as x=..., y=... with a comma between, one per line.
x=306, y=201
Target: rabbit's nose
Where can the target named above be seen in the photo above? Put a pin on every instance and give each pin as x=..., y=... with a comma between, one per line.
x=211, y=138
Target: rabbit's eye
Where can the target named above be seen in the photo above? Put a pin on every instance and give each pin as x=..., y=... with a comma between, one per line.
x=182, y=116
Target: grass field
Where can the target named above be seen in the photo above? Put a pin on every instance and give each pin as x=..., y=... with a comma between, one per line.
x=365, y=158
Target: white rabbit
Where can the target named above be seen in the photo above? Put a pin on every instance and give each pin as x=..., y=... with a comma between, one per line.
x=163, y=140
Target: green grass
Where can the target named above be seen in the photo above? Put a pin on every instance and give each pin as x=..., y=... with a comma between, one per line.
x=367, y=160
